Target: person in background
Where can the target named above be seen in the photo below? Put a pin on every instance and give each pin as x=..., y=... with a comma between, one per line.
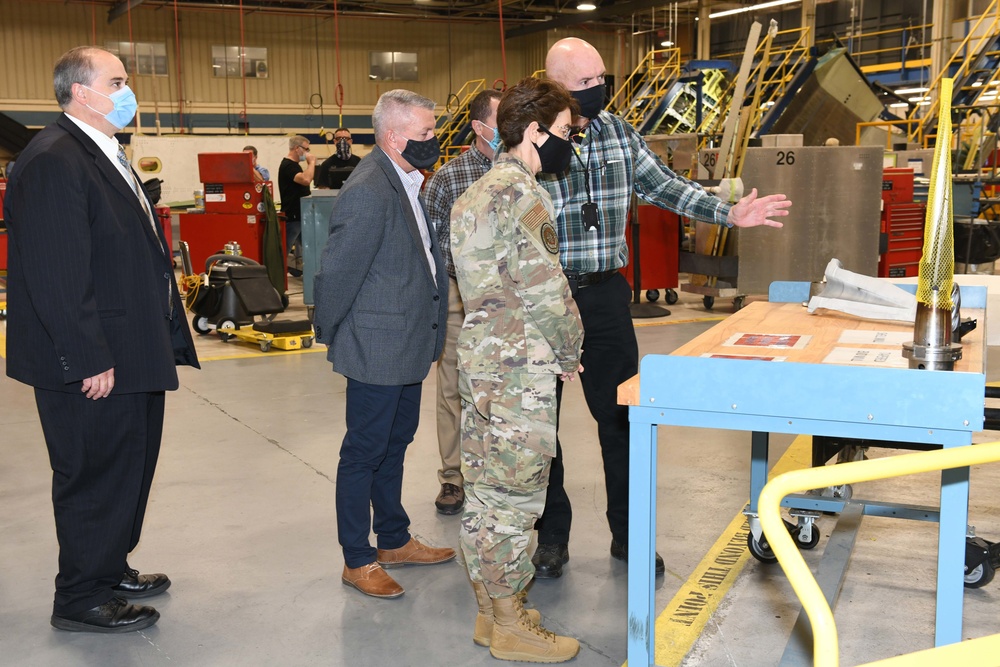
x=260, y=173
x=521, y=336
x=334, y=170
x=447, y=184
x=592, y=200
x=96, y=326
x=293, y=185
x=381, y=295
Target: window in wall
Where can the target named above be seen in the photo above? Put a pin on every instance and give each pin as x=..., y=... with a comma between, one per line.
x=226, y=62
x=150, y=58
x=392, y=66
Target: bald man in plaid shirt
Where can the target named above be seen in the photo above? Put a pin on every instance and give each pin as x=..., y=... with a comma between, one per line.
x=592, y=201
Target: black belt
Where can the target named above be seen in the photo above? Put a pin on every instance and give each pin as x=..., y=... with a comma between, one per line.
x=589, y=279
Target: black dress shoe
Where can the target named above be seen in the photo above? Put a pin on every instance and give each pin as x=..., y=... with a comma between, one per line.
x=115, y=615
x=135, y=585
x=450, y=500
x=549, y=559
x=620, y=552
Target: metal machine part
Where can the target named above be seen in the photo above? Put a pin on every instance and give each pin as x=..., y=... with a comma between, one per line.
x=931, y=348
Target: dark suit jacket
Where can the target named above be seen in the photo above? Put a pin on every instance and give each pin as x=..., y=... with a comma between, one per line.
x=376, y=303
x=88, y=279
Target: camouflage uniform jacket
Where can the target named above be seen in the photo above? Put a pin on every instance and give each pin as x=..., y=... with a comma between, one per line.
x=520, y=315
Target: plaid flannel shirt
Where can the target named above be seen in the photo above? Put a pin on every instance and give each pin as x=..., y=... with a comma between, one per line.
x=619, y=161
x=447, y=185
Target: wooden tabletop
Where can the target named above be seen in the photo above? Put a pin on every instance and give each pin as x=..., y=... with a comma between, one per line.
x=787, y=333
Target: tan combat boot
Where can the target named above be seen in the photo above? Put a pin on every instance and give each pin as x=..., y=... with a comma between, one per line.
x=484, y=618
x=516, y=637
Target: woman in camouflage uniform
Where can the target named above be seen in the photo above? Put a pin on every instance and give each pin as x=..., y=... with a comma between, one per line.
x=522, y=333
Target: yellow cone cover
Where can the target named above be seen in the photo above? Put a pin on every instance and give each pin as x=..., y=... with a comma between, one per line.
x=937, y=266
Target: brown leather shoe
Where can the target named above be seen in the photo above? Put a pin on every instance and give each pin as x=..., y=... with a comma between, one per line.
x=372, y=580
x=414, y=553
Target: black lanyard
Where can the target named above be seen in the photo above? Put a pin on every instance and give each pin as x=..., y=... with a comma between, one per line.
x=591, y=218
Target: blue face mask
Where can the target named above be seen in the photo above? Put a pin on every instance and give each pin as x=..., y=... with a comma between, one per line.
x=125, y=106
x=495, y=141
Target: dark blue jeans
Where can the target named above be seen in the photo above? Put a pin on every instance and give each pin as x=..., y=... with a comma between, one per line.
x=381, y=422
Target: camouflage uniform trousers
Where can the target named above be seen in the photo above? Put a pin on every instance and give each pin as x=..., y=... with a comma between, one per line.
x=508, y=441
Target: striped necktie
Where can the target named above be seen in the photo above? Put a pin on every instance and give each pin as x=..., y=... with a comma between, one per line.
x=136, y=189
x=149, y=214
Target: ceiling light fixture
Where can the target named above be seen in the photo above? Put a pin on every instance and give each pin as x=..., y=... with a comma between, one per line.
x=907, y=91
x=586, y=6
x=740, y=10
x=666, y=42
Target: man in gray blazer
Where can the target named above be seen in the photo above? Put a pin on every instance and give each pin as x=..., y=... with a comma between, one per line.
x=381, y=304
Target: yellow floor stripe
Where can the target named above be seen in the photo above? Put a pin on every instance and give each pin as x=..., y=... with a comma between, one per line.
x=685, y=616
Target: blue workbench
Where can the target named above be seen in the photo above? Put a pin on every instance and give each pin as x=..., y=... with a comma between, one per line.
x=801, y=395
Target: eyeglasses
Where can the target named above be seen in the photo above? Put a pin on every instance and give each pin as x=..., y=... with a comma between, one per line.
x=305, y=148
x=562, y=131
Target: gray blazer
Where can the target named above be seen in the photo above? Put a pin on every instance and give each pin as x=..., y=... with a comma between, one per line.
x=377, y=305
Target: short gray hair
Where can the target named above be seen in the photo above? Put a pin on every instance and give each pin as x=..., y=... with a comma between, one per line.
x=294, y=142
x=392, y=106
x=74, y=66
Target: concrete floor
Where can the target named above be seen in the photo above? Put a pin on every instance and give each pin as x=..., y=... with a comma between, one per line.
x=242, y=519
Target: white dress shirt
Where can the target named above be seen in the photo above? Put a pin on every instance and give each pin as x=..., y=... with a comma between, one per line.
x=411, y=183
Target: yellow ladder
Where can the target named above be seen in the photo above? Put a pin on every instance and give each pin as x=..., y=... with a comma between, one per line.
x=455, y=117
x=646, y=85
x=982, y=34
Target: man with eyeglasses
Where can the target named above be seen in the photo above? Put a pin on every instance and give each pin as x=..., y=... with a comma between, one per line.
x=336, y=168
x=447, y=185
x=592, y=200
x=293, y=185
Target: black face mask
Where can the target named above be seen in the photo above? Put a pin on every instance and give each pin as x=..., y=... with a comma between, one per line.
x=422, y=154
x=555, y=153
x=343, y=148
x=591, y=100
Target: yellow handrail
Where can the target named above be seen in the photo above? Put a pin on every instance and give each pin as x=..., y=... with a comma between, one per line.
x=825, y=648
x=881, y=123
x=971, y=52
x=457, y=118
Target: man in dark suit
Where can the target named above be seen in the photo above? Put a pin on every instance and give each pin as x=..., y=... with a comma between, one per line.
x=381, y=304
x=97, y=328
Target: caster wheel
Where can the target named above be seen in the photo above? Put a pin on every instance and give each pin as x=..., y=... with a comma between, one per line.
x=813, y=541
x=652, y=295
x=979, y=576
x=307, y=343
x=671, y=296
x=226, y=329
x=709, y=301
x=760, y=550
x=844, y=492
x=738, y=303
x=265, y=345
x=200, y=325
